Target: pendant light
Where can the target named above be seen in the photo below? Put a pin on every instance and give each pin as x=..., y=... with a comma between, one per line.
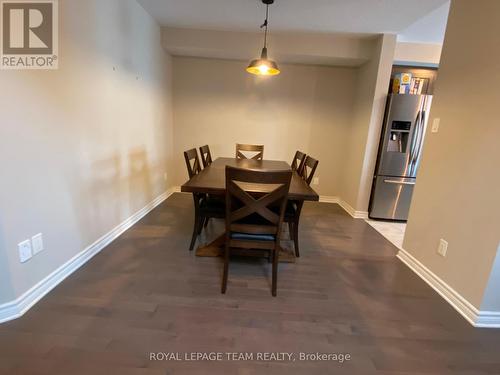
x=264, y=66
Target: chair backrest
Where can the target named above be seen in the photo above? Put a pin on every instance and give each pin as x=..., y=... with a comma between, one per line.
x=206, y=156
x=259, y=149
x=307, y=172
x=192, y=162
x=257, y=195
x=298, y=161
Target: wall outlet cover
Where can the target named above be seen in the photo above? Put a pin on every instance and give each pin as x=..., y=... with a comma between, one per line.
x=316, y=181
x=37, y=243
x=25, y=253
x=443, y=247
x=435, y=125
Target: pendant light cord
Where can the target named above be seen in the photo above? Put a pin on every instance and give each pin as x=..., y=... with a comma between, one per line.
x=265, y=25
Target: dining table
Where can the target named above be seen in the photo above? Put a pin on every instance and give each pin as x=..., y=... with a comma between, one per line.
x=211, y=180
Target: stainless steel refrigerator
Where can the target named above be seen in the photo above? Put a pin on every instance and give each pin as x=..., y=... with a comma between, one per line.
x=399, y=154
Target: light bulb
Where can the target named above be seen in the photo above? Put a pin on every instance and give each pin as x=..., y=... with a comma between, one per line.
x=263, y=69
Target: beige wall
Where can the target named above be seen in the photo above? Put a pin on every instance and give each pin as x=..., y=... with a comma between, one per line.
x=333, y=113
x=457, y=194
x=86, y=146
x=306, y=107
x=363, y=138
x=417, y=53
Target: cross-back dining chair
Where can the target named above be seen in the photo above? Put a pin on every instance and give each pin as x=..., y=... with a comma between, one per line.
x=298, y=161
x=204, y=207
x=192, y=162
x=257, y=149
x=294, y=208
x=253, y=220
x=206, y=156
x=308, y=169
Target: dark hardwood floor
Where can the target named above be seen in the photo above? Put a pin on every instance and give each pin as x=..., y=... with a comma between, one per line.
x=146, y=292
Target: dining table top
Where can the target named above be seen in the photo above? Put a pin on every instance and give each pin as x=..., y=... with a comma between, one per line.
x=212, y=180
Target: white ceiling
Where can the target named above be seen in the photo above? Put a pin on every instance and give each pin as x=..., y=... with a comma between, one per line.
x=428, y=29
x=329, y=16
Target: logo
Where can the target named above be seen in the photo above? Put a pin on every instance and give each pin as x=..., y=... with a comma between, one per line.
x=29, y=37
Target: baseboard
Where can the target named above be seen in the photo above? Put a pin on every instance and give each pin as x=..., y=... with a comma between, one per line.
x=328, y=199
x=488, y=319
x=345, y=206
x=476, y=317
x=15, y=309
x=351, y=211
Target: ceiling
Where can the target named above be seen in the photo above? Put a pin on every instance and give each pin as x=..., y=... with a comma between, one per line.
x=412, y=20
x=428, y=29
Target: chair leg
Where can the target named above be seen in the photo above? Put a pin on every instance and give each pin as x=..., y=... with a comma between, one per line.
x=290, y=229
x=195, y=231
x=200, y=225
x=206, y=221
x=226, y=268
x=275, y=270
x=296, y=238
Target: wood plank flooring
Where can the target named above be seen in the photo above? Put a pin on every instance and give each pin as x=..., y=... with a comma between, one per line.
x=147, y=293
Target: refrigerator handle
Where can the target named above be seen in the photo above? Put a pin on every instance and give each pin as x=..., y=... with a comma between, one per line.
x=414, y=141
x=397, y=182
x=418, y=148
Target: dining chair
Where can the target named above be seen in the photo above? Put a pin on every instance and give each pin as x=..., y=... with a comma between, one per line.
x=298, y=161
x=206, y=156
x=294, y=208
x=258, y=149
x=253, y=220
x=308, y=170
x=204, y=206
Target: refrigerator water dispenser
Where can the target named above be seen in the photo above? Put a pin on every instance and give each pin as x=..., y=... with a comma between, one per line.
x=398, y=139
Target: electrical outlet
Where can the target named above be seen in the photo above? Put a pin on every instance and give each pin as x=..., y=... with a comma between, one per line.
x=435, y=125
x=316, y=181
x=165, y=176
x=24, y=251
x=442, y=248
x=37, y=243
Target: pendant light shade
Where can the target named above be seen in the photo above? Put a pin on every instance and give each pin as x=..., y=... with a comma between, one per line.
x=264, y=66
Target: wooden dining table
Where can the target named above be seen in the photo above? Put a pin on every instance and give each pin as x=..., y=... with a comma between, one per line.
x=212, y=180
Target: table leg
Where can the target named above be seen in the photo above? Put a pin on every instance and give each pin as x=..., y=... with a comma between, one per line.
x=286, y=255
x=212, y=249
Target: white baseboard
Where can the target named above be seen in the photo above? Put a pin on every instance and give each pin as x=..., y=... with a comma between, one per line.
x=15, y=309
x=346, y=206
x=488, y=319
x=351, y=211
x=476, y=317
x=329, y=199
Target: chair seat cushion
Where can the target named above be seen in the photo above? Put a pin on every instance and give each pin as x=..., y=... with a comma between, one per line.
x=252, y=237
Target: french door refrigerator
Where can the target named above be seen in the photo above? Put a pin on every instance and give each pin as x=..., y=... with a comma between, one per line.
x=399, y=154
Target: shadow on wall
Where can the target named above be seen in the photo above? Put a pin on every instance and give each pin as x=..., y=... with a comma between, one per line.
x=99, y=202
x=139, y=179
